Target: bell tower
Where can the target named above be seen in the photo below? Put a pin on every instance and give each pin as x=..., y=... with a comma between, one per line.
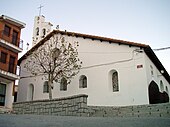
x=41, y=29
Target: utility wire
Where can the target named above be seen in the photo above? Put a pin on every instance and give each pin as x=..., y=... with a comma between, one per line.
x=97, y=65
x=159, y=49
x=104, y=52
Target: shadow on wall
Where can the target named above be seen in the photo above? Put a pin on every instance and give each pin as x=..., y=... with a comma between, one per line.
x=155, y=96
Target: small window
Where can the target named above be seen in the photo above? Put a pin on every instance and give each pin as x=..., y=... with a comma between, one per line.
x=115, y=84
x=37, y=31
x=161, y=86
x=3, y=57
x=151, y=70
x=7, y=30
x=83, y=82
x=46, y=87
x=63, y=85
x=44, y=32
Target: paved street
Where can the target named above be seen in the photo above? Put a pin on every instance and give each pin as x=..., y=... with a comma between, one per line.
x=8, y=120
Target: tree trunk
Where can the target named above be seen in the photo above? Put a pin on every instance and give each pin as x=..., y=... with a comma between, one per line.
x=49, y=86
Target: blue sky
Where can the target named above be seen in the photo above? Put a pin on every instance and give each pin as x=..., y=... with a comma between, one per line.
x=143, y=21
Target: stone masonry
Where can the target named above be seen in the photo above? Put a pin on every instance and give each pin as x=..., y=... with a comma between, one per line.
x=66, y=106
x=77, y=106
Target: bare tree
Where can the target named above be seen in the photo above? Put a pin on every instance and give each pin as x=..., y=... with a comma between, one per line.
x=56, y=59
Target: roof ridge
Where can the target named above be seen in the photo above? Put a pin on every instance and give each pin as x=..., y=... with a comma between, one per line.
x=109, y=39
x=93, y=37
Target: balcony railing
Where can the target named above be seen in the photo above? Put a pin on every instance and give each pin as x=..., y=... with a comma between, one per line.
x=11, y=39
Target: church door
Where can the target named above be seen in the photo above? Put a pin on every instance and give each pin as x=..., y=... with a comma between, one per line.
x=153, y=93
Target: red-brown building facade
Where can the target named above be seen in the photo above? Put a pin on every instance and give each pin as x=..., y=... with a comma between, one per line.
x=10, y=46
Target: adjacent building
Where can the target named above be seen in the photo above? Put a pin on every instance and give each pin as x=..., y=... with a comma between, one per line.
x=10, y=46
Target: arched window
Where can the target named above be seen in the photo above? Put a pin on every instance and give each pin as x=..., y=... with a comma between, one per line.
x=30, y=92
x=45, y=87
x=115, y=83
x=44, y=31
x=161, y=86
x=83, y=81
x=37, y=31
x=38, y=18
x=63, y=85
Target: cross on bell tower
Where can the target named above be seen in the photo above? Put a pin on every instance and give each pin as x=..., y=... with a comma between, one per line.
x=41, y=27
x=40, y=9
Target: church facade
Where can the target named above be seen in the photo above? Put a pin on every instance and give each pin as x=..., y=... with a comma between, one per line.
x=114, y=73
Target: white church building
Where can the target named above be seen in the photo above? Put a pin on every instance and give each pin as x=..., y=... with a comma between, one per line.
x=114, y=72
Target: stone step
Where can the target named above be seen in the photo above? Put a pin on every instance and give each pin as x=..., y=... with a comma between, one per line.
x=5, y=110
x=159, y=110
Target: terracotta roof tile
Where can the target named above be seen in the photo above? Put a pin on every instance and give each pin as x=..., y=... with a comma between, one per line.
x=110, y=40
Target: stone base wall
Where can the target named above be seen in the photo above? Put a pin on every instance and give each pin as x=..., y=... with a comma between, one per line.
x=67, y=106
x=152, y=110
x=77, y=106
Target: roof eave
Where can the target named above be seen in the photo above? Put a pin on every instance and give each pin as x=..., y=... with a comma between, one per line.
x=146, y=48
x=149, y=52
x=110, y=40
x=13, y=21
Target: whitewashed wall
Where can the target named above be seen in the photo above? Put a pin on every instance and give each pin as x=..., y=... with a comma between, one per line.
x=99, y=58
x=157, y=76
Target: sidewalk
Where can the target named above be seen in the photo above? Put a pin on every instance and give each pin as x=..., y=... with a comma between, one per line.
x=11, y=120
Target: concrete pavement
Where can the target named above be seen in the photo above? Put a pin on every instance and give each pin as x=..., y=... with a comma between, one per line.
x=11, y=120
